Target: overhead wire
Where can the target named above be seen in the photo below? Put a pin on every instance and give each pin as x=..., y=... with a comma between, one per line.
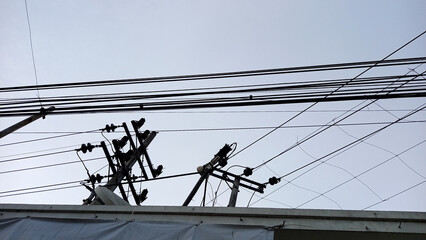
x=229, y=112
x=386, y=150
x=92, y=159
x=289, y=86
x=211, y=76
x=352, y=90
x=377, y=165
x=219, y=102
x=320, y=159
x=17, y=192
x=36, y=156
x=50, y=165
x=312, y=105
x=47, y=138
x=394, y=195
x=32, y=52
x=364, y=172
x=38, y=151
x=423, y=106
x=338, y=167
x=321, y=129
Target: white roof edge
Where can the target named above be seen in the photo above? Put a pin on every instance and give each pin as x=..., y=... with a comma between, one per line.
x=339, y=220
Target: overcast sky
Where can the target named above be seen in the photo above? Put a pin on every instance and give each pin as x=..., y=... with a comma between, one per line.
x=78, y=41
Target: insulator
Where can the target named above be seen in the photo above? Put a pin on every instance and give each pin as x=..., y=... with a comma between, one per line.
x=145, y=134
x=159, y=170
x=224, y=151
x=143, y=195
x=90, y=147
x=92, y=179
x=99, y=178
x=87, y=147
x=120, y=143
x=110, y=128
x=248, y=171
x=83, y=148
x=223, y=162
x=273, y=180
x=123, y=141
x=138, y=124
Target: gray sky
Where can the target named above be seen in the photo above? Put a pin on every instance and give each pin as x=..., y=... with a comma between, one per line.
x=77, y=41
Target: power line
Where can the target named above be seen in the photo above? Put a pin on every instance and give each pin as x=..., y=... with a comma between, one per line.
x=355, y=177
x=299, y=90
x=324, y=128
x=32, y=51
x=47, y=138
x=338, y=167
x=220, y=102
x=209, y=130
x=310, y=136
x=37, y=187
x=39, y=151
x=357, y=76
x=346, y=147
x=231, y=112
x=396, y=194
x=197, y=77
x=289, y=86
x=36, y=156
x=13, y=192
x=355, y=142
x=50, y=165
x=364, y=172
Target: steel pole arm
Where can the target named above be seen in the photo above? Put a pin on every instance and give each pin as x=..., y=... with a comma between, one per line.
x=26, y=121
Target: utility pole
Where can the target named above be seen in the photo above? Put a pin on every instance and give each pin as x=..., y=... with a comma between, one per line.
x=234, y=193
x=125, y=163
x=220, y=159
x=26, y=121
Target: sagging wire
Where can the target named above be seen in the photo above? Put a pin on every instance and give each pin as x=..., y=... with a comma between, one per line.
x=220, y=182
x=335, y=166
x=87, y=171
x=248, y=204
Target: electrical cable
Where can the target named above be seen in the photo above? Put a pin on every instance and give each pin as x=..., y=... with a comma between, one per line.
x=357, y=76
x=364, y=172
x=252, y=128
x=318, y=131
x=211, y=103
x=51, y=165
x=377, y=165
x=423, y=106
x=84, y=165
x=39, y=151
x=13, y=192
x=38, y=187
x=35, y=156
x=197, y=77
x=227, y=112
x=32, y=52
x=335, y=166
x=414, y=88
x=396, y=194
x=220, y=182
x=207, y=129
x=289, y=86
x=386, y=150
x=321, y=161
x=47, y=138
